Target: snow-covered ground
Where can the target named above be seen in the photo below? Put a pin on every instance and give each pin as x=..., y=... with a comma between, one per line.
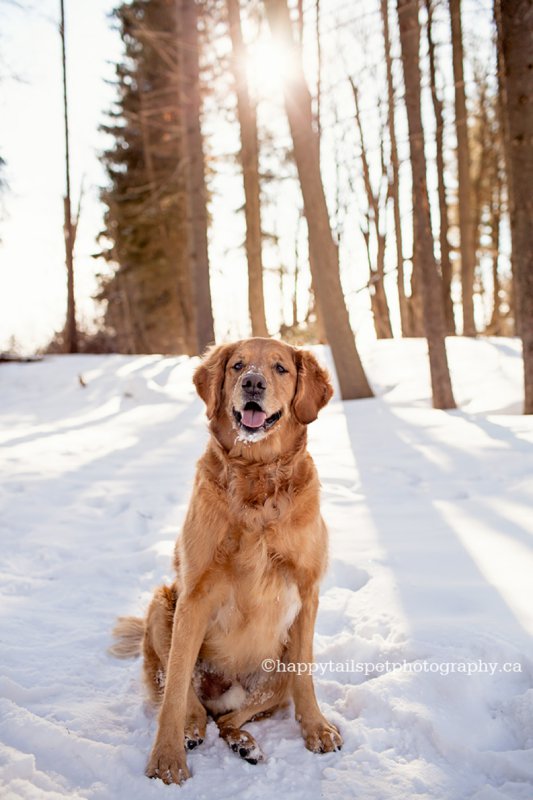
x=431, y=566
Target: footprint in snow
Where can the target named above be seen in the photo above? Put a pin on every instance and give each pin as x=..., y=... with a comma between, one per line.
x=344, y=576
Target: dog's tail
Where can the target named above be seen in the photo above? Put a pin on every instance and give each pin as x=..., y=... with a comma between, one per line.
x=128, y=634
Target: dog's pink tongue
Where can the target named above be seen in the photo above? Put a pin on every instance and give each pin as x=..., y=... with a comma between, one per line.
x=253, y=418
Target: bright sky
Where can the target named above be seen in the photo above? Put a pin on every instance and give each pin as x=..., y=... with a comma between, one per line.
x=32, y=301
x=32, y=271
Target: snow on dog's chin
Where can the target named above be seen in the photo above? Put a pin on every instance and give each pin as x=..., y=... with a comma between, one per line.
x=249, y=436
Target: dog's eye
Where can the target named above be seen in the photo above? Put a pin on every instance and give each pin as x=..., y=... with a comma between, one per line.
x=238, y=366
x=280, y=368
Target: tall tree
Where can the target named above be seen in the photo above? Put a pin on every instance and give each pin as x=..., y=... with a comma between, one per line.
x=71, y=332
x=249, y=154
x=324, y=253
x=515, y=32
x=466, y=223
x=496, y=323
x=149, y=295
x=406, y=326
x=318, y=38
x=314, y=304
x=488, y=192
x=445, y=263
x=376, y=212
x=424, y=252
x=193, y=159
x=504, y=128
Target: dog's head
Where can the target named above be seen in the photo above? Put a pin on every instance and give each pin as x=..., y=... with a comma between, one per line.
x=256, y=387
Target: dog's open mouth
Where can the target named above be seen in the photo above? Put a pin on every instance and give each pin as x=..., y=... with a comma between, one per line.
x=252, y=418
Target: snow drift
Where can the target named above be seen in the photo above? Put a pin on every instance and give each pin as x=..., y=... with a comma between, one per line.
x=423, y=639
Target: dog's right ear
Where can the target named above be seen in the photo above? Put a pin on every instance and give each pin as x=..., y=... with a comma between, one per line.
x=209, y=377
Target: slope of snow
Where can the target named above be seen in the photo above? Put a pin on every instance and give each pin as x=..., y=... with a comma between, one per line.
x=431, y=563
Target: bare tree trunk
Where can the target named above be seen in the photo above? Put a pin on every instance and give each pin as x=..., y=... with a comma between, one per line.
x=71, y=330
x=315, y=302
x=296, y=275
x=504, y=125
x=250, y=171
x=485, y=144
x=395, y=187
x=516, y=34
x=318, y=73
x=189, y=77
x=314, y=308
x=377, y=272
x=463, y=166
x=416, y=304
x=445, y=263
x=325, y=260
x=431, y=290
x=495, y=324
x=375, y=299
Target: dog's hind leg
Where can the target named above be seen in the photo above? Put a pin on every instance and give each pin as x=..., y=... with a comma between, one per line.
x=157, y=638
x=156, y=649
x=261, y=703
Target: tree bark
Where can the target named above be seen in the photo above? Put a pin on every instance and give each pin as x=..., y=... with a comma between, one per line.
x=189, y=76
x=318, y=73
x=504, y=124
x=71, y=331
x=395, y=186
x=380, y=307
x=495, y=324
x=425, y=256
x=325, y=258
x=516, y=34
x=463, y=168
x=314, y=306
x=250, y=171
x=416, y=304
x=445, y=263
x=183, y=287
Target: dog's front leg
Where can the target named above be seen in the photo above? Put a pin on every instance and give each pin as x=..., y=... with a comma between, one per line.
x=167, y=760
x=320, y=735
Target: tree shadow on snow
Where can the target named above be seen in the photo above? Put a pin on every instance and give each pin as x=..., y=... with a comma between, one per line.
x=423, y=549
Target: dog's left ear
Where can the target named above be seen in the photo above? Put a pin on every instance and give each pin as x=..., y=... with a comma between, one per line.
x=209, y=377
x=313, y=387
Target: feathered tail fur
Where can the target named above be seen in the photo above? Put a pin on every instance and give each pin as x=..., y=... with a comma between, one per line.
x=128, y=634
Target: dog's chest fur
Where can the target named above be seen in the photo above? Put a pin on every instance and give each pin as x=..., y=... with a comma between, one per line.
x=261, y=602
x=268, y=536
x=261, y=496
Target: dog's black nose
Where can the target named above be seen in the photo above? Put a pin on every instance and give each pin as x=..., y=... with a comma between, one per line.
x=254, y=384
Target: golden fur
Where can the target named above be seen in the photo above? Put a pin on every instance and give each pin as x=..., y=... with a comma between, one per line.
x=248, y=563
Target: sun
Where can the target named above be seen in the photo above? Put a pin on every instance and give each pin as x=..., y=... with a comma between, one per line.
x=268, y=64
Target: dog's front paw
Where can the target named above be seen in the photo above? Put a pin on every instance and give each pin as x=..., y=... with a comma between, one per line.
x=321, y=736
x=168, y=763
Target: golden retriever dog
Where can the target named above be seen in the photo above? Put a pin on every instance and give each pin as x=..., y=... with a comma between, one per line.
x=248, y=564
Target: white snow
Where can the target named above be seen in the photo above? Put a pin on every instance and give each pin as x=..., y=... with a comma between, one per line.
x=431, y=525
